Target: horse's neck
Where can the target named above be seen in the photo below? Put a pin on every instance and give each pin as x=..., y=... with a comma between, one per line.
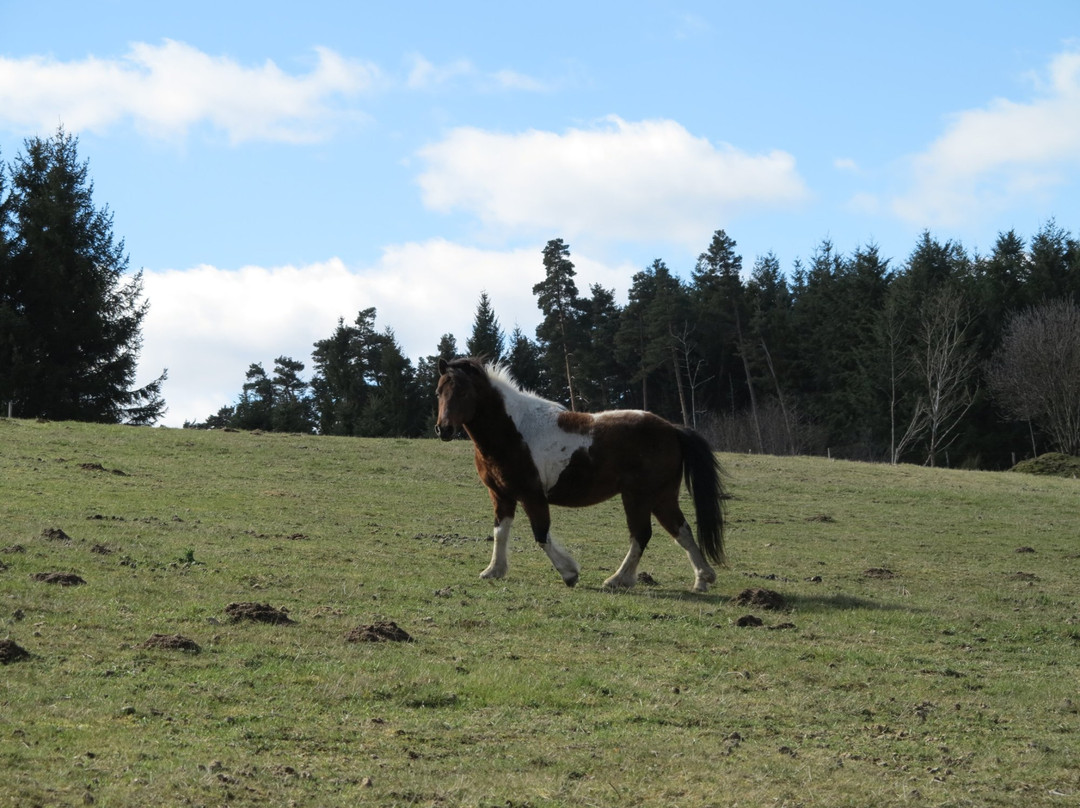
x=507, y=419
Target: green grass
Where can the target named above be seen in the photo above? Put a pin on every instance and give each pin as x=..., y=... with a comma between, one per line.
x=954, y=682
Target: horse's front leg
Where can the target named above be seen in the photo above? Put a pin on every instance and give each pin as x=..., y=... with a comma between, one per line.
x=540, y=519
x=504, y=520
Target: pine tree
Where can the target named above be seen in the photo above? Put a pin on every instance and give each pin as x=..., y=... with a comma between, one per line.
x=523, y=359
x=487, y=340
x=70, y=315
x=292, y=410
x=560, y=333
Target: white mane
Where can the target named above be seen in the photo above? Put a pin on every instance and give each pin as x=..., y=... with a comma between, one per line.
x=503, y=380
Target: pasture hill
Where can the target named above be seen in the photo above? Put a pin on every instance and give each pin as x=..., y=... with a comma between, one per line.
x=208, y=618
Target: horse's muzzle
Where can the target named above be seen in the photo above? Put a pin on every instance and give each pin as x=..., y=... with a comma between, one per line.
x=446, y=433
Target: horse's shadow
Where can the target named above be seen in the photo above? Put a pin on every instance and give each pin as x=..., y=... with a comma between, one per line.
x=804, y=604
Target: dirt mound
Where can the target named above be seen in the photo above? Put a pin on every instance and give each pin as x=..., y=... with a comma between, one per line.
x=1054, y=464
x=170, y=642
x=258, y=612
x=380, y=631
x=10, y=652
x=645, y=579
x=880, y=573
x=62, y=578
x=55, y=534
x=761, y=598
x=99, y=467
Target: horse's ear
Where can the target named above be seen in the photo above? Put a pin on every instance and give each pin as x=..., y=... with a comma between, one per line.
x=443, y=367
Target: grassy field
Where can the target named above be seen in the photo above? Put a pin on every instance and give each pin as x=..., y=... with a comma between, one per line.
x=928, y=654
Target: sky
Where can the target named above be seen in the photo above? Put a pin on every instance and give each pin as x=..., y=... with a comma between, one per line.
x=272, y=167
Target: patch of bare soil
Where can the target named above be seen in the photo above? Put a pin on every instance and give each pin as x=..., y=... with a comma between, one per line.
x=258, y=612
x=170, y=642
x=879, y=572
x=1025, y=550
x=753, y=621
x=761, y=598
x=99, y=467
x=645, y=579
x=11, y=652
x=62, y=578
x=55, y=534
x=1024, y=576
x=380, y=631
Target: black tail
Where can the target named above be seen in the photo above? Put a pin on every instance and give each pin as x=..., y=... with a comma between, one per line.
x=704, y=481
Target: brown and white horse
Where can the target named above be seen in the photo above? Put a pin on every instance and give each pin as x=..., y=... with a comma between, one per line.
x=535, y=452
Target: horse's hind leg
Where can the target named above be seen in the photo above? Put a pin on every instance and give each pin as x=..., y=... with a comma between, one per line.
x=639, y=520
x=670, y=516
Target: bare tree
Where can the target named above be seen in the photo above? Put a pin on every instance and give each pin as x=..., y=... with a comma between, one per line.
x=686, y=362
x=1035, y=374
x=945, y=363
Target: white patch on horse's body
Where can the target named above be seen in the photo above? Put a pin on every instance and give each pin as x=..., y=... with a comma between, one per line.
x=537, y=420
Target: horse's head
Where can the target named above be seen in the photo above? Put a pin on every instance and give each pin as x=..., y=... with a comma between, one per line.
x=457, y=396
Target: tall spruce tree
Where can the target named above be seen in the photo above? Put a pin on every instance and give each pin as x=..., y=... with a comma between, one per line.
x=560, y=333
x=70, y=315
x=487, y=339
x=523, y=359
x=720, y=301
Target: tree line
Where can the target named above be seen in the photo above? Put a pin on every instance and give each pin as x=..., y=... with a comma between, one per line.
x=948, y=358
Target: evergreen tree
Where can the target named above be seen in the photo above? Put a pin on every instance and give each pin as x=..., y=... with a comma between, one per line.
x=255, y=409
x=292, y=407
x=524, y=361
x=487, y=340
x=655, y=327
x=427, y=378
x=1053, y=255
x=345, y=374
x=721, y=312
x=560, y=333
x=602, y=385
x=70, y=317
x=338, y=386
x=393, y=409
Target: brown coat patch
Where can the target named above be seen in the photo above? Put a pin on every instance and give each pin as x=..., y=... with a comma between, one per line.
x=579, y=423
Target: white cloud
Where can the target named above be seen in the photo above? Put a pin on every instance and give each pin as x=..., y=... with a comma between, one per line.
x=207, y=325
x=425, y=75
x=169, y=88
x=999, y=155
x=645, y=180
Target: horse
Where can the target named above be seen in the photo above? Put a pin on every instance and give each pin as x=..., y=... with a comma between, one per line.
x=535, y=452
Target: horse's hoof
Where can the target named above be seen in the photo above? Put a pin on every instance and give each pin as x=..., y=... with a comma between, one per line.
x=490, y=573
x=617, y=583
x=571, y=580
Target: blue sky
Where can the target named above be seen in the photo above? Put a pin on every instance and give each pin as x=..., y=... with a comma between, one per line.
x=272, y=166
